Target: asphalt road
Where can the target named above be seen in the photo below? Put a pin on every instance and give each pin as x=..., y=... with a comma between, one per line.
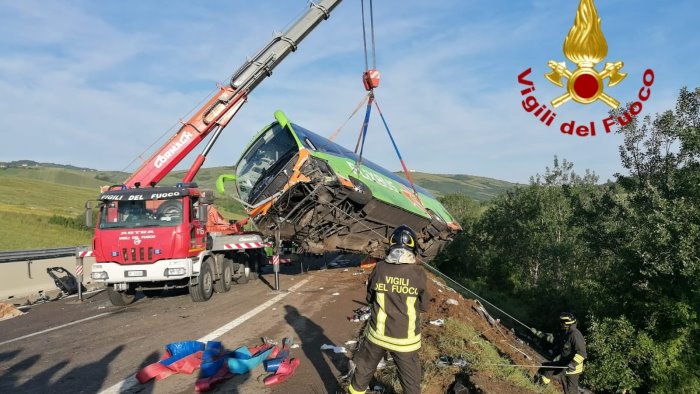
x=91, y=347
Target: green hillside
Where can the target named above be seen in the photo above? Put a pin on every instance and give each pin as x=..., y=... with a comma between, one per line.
x=479, y=188
x=28, y=208
x=35, y=198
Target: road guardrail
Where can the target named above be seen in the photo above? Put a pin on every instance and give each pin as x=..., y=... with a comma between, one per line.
x=12, y=256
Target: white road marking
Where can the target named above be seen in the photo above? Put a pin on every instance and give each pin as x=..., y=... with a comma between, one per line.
x=128, y=383
x=55, y=328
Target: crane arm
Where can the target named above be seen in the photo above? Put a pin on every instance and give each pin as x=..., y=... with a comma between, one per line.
x=213, y=116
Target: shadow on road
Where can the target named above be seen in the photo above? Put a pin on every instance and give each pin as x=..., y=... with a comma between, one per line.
x=89, y=378
x=314, y=337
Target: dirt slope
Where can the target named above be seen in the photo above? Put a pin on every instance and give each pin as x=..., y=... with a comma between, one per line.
x=464, y=318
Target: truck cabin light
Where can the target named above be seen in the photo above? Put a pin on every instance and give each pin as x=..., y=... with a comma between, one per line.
x=115, y=254
x=157, y=251
x=175, y=272
x=99, y=275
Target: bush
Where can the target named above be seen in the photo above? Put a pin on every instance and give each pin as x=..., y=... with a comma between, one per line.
x=76, y=223
x=616, y=352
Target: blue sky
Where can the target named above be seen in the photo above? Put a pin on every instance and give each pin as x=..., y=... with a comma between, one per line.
x=94, y=83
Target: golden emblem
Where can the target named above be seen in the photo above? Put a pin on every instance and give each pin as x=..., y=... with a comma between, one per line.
x=585, y=45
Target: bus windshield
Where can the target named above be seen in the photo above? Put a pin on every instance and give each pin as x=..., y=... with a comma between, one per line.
x=259, y=165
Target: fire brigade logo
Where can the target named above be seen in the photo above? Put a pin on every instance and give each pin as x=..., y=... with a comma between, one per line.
x=585, y=45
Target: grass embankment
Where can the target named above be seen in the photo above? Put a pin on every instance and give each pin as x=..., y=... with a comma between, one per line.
x=459, y=339
x=27, y=206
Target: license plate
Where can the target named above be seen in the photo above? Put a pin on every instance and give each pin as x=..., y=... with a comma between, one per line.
x=131, y=274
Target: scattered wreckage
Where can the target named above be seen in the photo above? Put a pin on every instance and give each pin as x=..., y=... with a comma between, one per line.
x=325, y=198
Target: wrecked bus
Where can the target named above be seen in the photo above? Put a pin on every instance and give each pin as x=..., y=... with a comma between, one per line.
x=316, y=194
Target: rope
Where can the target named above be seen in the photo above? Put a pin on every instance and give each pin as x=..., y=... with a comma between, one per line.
x=476, y=295
x=518, y=365
x=363, y=132
x=398, y=153
x=354, y=112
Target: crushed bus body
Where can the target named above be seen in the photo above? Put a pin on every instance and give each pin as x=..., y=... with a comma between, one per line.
x=314, y=192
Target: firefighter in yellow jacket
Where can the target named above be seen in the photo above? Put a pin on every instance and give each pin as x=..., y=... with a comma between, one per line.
x=396, y=292
x=569, y=350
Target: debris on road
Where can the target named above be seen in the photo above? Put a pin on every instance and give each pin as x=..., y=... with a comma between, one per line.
x=216, y=364
x=282, y=366
x=336, y=349
x=360, y=314
x=482, y=311
x=448, y=361
x=8, y=311
x=438, y=322
x=213, y=369
x=180, y=357
x=285, y=370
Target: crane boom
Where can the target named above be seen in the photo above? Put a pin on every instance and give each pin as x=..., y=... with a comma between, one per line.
x=213, y=116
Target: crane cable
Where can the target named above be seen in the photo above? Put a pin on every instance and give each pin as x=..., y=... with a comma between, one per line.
x=370, y=88
x=435, y=270
x=371, y=99
x=364, y=34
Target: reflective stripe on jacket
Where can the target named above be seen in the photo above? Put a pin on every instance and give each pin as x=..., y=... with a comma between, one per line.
x=570, y=348
x=397, y=295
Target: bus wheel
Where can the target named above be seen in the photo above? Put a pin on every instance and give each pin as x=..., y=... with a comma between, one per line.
x=362, y=194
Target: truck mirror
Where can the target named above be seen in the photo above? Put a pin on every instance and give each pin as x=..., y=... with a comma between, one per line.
x=220, y=182
x=203, y=211
x=88, y=214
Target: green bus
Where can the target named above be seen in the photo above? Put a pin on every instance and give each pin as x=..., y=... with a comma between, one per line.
x=315, y=193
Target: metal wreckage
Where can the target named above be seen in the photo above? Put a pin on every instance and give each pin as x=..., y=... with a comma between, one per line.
x=326, y=198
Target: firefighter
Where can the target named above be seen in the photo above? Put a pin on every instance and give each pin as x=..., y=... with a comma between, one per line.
x=396, y=293
x=569, y=350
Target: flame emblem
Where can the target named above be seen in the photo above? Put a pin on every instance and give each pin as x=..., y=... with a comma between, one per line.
x=585, y=45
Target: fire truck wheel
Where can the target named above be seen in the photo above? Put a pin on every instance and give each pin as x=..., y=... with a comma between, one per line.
x=204, y=288
x=121, y=298
x=224, y=283
x=245, y=275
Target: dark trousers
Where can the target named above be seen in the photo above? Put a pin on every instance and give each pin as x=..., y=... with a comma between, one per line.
x=369, y=355
x=568, y=382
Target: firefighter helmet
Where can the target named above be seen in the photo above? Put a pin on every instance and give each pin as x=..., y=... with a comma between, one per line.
x=567, y=318
x=403, y=237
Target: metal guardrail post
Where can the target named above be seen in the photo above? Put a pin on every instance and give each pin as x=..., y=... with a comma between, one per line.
x=79, y=275
x=276, y=259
